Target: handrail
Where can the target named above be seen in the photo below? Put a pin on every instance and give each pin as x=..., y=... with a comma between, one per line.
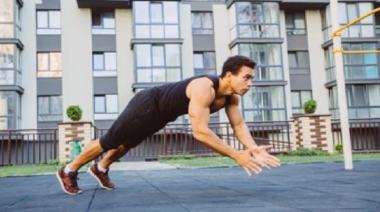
x=337, y=32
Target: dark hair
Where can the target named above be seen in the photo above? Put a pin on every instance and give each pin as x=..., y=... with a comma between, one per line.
x=234, y=63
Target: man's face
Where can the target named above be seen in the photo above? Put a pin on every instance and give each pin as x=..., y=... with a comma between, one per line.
x=242, y=82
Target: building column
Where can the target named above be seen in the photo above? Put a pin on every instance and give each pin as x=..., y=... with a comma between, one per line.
x=317, y=64
x=125, y=58
x=29, y=65
x=77, y=83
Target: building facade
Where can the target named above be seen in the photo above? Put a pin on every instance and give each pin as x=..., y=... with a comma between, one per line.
x=98, y=54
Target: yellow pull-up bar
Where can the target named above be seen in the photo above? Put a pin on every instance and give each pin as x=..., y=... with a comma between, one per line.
x=338, y=33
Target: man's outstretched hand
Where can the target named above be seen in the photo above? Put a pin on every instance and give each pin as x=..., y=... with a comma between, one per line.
x=261, y=157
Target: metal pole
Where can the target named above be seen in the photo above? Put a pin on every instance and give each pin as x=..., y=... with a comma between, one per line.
x=341, y=86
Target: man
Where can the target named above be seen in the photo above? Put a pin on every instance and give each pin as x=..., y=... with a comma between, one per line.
x=151, y=109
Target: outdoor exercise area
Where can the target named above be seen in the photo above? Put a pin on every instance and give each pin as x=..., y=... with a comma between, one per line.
x=293, y=187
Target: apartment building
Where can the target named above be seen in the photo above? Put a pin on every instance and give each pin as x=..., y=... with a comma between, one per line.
x=98, y=54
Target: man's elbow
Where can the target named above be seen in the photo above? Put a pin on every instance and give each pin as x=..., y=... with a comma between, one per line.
x=200, y=134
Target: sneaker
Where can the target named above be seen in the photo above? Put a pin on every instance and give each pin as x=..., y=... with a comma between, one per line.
x=101, y=177
x=68, y=182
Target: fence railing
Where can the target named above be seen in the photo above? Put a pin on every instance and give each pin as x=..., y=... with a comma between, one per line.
x=175, y=139
x=29, y=146
x=364, y=134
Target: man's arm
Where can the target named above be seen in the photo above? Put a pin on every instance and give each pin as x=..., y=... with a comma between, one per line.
x=201, y=96
x=238, y=124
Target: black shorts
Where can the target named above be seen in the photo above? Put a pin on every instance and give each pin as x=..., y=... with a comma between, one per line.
x=139, y=120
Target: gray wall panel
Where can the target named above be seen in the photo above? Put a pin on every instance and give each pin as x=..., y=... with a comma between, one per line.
x=300, y=82
x=49, y=86
x=203, y=43
x=200, y=6
x=103, y=124
x=49, y=43
x=103, y=43
x=49, y=5
x=297, y=43
x=47, y=125
x=105, y=85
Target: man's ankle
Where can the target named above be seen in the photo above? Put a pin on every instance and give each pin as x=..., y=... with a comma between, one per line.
x=68, y=169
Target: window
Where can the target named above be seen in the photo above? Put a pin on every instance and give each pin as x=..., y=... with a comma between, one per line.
x=104, y=64
x=330, y=64
x=349, y=12
x=377, y=17
x=9, y=19
x=256, y=20
x=204, y=63
x=362, y=101
x=299, y=62
x=49, y=108
x=103, y=23
x=264, y=103
x=298, y=99
x=295, y=23
x=9, y=110
x=49, y=64
x=106, y=107
x=158, y=63
x=202, y=23
x=360, y=66
x=10, y=72
x=48, y=22
x=268, y=59
x=156, y=19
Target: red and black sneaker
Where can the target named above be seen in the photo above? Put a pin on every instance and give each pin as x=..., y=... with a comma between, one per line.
x=68, y=182
x=101, y=177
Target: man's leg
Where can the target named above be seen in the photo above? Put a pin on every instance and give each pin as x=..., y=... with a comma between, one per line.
x=100, y=170
x=67, y=175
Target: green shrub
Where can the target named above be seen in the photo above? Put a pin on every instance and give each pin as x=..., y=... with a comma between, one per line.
x=308, y=152
x=55, y=162
x=310, y=106
x=339, y=148
x=74, y=112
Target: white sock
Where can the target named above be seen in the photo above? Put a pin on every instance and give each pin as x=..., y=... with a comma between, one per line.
x=101, y=168
x=67, y=169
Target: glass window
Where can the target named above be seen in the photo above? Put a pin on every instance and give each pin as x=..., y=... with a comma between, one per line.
x=106, y=103
x=8, y=66
x=298, y=99
x=49, y=64
x=202, y=23
x=268, y=59
x=156, y=19
x=295, y=23
x=299, y=62
x=48, y=22
x=105, y=20
x=7, y=56
x=257, y=20
x=104, y=61
x=204, y=63
x=49, y=108
x=158, y=63
x=264, y=103
x=9, y=109
x=6, y=10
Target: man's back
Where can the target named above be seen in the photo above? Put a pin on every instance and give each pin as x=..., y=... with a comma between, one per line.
x=172, y=100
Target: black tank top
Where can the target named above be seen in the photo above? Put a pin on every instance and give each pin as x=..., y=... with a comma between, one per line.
x=172, y=101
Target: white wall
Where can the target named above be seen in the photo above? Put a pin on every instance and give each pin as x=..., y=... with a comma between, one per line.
x=125, y=62
x=222, y=40
x=187, y=46
x=285, y=65
x=29, y=65
x=317, y=61
x=77, y=83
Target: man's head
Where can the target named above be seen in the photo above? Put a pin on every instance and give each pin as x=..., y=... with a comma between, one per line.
x=238, y=72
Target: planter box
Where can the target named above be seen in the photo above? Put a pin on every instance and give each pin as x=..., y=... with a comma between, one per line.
x=314, y=131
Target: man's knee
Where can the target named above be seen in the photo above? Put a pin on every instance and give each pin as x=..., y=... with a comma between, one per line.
x=107, y=143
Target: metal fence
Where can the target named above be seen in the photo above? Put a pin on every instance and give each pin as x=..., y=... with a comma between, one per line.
x=177, y=139
x=28, y=146
x=364, y=134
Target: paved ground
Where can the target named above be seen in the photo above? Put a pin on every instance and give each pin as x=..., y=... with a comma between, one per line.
x=318, y=187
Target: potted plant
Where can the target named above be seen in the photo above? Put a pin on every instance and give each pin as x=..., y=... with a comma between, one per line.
x=74, y=112
x=310, y=106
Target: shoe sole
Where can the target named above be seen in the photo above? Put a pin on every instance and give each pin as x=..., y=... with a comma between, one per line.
x=63, y=187
x=100, y=183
